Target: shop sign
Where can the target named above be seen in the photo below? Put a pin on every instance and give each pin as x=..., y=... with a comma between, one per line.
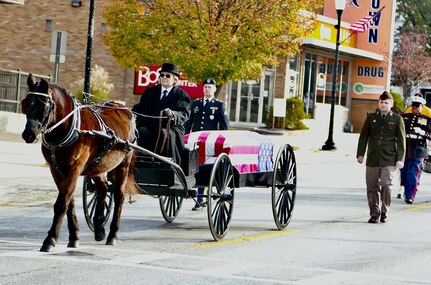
x=321, y=80
x=371, y=71
x=360, y=88
x=147, y=76
x=327, y=32
x=343, y=87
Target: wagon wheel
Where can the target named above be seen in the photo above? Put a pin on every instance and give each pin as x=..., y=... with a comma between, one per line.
x=89, y=202
x=220, y=196
x=171, y=205
x=284, y=186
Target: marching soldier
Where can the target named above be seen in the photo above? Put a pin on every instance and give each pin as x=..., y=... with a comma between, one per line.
x=383, y=137
x=418, y=129
x=207, y=113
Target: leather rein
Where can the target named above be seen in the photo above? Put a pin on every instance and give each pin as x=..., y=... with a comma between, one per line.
x=167, y=129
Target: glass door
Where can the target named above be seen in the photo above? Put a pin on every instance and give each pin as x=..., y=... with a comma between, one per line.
x=309, y=82
x=249, y=101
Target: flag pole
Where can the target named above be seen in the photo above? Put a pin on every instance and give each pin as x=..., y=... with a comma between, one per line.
x=375, y=14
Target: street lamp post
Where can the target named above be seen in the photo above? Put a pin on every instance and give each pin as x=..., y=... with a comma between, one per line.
x=329, y=144
x=88, y=54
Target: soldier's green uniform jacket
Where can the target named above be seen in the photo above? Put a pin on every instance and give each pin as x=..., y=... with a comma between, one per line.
x=385, y=139
x=212, y=116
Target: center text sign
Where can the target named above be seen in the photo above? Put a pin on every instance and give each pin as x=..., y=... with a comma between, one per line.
x=146, y=76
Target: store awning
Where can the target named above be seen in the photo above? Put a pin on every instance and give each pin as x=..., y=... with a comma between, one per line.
x=20, y=2
x=354, y=52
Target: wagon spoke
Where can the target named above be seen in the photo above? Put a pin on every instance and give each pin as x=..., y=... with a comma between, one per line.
x=281, y=205
x=216, y=209
x=170, y=205
x=92, y=205
x=217, y=221
x=217, y=186
x=106, y=206
x=90, y=202
x=223, y=219
x=173, y=204
x=225, y=177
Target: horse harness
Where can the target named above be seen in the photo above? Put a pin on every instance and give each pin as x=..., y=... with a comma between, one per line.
x=110, y=139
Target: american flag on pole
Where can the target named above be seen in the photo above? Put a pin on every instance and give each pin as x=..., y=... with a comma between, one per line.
x=363, y=24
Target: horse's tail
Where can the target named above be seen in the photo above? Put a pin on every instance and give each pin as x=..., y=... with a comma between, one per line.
x=132, y=187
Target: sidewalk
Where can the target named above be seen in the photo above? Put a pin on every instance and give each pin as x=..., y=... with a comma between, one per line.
x=15, y=153
x=18, y=159
x=311, y=140
x=11, y=137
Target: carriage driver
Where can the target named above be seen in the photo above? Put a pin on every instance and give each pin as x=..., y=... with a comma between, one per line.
x=161, y=113
x=207, y=113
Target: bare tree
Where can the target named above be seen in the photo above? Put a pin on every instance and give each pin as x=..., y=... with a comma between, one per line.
x=411, y=64
x=415, y=14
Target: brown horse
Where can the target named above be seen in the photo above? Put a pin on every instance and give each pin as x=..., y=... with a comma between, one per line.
x=80, y=140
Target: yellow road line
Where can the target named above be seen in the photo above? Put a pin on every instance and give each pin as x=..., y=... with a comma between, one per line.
x=245, y=238
x=417, y=208
x=13, y=204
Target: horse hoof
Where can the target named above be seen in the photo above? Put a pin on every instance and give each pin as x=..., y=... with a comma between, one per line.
x=73, y=243
x=111, y=241
x=99, y=236
x=47, y=248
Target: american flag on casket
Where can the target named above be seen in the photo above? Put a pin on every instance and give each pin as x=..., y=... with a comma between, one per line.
x=248, y=151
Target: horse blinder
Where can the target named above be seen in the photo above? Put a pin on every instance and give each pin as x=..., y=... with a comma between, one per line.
x=40, y=105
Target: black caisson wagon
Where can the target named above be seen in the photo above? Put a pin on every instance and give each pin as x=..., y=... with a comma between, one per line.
x=221, y=161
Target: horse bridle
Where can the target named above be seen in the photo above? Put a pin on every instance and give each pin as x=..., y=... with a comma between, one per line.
x=48, y=110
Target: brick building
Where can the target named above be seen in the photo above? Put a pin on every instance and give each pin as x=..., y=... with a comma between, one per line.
x=364, y=67
x=27, y=32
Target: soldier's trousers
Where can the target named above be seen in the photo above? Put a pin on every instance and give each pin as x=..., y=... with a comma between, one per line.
x=379, y=187
x=410, y=176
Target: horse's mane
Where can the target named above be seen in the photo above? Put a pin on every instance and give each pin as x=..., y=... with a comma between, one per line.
x=62, y=89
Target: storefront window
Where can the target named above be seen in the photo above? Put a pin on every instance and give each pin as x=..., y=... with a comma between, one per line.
x=324, y=81
x=293, y=62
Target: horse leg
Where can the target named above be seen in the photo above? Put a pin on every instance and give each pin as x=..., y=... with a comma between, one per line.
x=119, y=190
x=72, y=224
x=60, y=207
x=99, y=217
x=65, y=187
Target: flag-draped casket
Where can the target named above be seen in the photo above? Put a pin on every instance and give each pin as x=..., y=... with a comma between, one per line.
x=248, y=151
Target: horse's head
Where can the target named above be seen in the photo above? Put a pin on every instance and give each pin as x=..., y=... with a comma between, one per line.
x=38, y=106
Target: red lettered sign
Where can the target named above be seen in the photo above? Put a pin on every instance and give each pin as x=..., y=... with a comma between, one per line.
x=146, y=76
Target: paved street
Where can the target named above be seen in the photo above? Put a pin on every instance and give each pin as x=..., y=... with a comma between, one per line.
x=328, y=241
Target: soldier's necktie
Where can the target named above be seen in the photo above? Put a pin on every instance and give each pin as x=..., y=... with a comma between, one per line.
x=205, y=102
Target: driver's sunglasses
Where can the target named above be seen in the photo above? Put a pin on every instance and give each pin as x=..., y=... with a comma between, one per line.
x=167, y=75
x=416, y=105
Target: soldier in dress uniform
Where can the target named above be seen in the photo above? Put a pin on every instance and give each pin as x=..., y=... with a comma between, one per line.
x=383, y=134
x=418, y=129
x=207, y=113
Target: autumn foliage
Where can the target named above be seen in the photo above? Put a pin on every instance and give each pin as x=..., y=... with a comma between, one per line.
x=226, y=40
